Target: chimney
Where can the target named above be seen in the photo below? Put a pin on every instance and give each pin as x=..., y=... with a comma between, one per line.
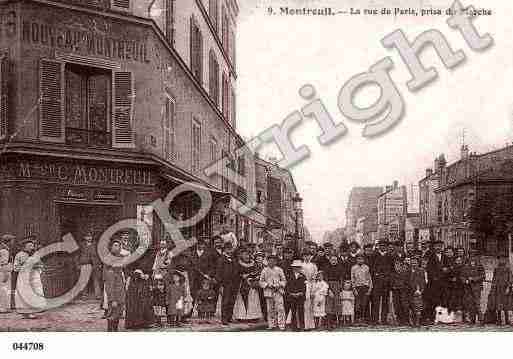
x=388, y=188
x=464, y=152
x=442, y=162
x=396, y=184
x=429, y=172
x=436, y=165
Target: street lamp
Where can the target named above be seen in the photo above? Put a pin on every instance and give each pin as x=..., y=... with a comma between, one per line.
x=297, y=201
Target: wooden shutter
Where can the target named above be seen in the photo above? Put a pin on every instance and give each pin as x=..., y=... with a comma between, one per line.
x=4, y=120
x=51, y=110
x=122, y=121
x=192, y=43
x=170, y=20
x=169, y=130
x=120, y=5
x=200, y=56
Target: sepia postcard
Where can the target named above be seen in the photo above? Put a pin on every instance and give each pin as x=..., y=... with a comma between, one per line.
x=289, y=167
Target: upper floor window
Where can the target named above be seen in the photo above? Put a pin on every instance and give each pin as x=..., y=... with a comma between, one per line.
x=169, y=128
x=88, y=100
x=120, y=5
x=241, y=165
x=196, y=145
x=225, y=97
x=196, y=51
x=170, y=20
x=213, y=12
x=213, y=81
x=4, y=99
x=225, y=30
x=85, y=105
x=233, y=109
x=232, y=46
x=226, y=160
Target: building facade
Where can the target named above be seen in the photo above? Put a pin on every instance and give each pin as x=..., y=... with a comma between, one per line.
x=392, y=205
x=428, y=203
x=362, y=203
x=107, y=106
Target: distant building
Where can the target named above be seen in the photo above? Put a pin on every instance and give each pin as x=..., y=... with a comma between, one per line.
x=411, y=229
x=428, y=204
x=391, y=204
x=362, y=203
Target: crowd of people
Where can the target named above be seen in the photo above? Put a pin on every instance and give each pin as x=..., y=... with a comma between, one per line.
x=322, y=287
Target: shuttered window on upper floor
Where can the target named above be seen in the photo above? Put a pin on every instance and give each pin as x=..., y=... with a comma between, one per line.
x=225, y=97
x=121, y=5
x=88, y=106
x=196, y=50
x=4, y=99
x=170, y=20
x=213, y=13
x=169, y=128
x=196, y=145
x=213, y=77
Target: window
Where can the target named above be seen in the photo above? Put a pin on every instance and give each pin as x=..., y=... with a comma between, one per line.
x=169, y=129
x=213, y=152
x=3, y=97
x=120, y=5
x=259, y=196
x=87, y=105
x=225, y=183
x=213, y=13
x=213, y=81
x=196, y=51
x=196, y=145
x=225, y=27
x=225, y=104
x=232, y=47
x=241, y=165
x=233, y=109
x=170, y=22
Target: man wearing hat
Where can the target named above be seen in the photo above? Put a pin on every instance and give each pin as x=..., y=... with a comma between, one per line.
x=295, y=293
x=436, y=275
x=228, y=278
x=473, y=275
x=273, y=281
x=89, y=257
x=381, y=269
x=202, y=267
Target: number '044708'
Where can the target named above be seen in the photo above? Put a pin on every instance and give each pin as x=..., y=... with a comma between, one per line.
x=28, y=346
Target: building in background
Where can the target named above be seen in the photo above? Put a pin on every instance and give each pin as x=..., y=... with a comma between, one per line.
x=474, y=199
x=411, y=229
x=392, y=205
x=428, y=203
x=362, y=203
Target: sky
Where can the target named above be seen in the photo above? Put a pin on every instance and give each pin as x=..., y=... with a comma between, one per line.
x=276, y=55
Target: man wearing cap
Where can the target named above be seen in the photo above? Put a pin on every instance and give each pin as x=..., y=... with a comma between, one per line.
x=228, y=278
x=114, y=281
x=89, y=257
x=473, y=275
x=295, y=292
x=273, y=282
x=381, y=268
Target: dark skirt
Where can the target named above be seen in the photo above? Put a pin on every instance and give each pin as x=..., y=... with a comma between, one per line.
x=139, y=305
x=334, y=303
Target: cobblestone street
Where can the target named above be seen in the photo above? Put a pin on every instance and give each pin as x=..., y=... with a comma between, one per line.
x=86, y=316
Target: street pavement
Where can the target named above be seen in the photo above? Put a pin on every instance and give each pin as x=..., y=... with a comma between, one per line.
x=85, y=316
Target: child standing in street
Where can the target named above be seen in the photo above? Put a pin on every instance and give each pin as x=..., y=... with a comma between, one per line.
x=206, y=301
x=175, y=295
x=319, y=292
x=159, y=300
x=362, y=284
x=417, y=285
x=473, y=275
x=272, y=281
x=347, y=298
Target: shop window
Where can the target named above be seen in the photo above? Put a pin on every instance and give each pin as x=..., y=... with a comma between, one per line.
x=196, y=50
x=87, y=98
x=3, y=97
x=196, y=145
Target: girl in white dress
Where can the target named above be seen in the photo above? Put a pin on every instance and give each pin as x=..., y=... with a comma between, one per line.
x=320, y=292
x=309, y=270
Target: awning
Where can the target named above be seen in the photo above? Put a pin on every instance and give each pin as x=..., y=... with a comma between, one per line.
x=194, y=184
x=252, y=214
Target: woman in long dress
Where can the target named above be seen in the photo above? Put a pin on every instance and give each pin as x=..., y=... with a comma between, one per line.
x=309, y=270
x=5, y=280
x=29, y=295
x=139, y=305
x=247, y=303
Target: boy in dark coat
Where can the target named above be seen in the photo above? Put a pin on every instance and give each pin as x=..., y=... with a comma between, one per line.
x=473, y=276
x=295, y=292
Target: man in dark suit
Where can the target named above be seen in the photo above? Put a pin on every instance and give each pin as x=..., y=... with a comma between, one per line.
x=228, y=277
x=201, y=267
x=381, y=268
x=295, y=292
x=436, y=275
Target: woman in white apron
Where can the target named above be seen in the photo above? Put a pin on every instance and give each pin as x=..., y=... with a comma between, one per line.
x=309, y=271
x=29, y=297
